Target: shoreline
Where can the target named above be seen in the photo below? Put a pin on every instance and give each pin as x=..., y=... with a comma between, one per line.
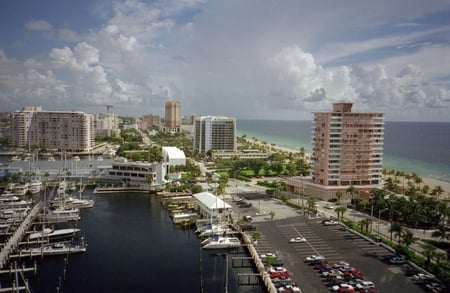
x=431, y=182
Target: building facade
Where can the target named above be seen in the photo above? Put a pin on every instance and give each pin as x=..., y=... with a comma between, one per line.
x=347, y=147
x=215, y=133
x=172, y=118
x=347, y=151
x=107, y=124
x=69, y=131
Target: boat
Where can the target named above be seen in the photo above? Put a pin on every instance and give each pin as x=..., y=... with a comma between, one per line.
x=14, y=203
x=62, y=188
x=15, y=158
x=216, y=229
x=222, y=242
x=35, y=185
x=49, y=233
x=51, y=159
x=78, y=203
x=18, y=213
x=58, y=248
x=60, y=215
x=21, y=189
x=76, y=158
x=179, y=218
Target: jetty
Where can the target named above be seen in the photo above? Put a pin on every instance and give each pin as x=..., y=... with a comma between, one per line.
x=19, y=233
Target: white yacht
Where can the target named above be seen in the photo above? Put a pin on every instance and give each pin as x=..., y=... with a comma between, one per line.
x=47, y=233
x=55, y=249
x=221, y=243
x=35, y=185
x=21, y=189
x=60, y=215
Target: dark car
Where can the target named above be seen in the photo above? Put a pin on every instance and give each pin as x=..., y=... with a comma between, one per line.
x=244, y=204
x=248, y=227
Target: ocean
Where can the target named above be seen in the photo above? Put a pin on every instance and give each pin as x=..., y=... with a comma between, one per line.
x=413, y=147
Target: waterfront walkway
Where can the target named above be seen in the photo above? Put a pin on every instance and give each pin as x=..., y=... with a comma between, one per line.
x=13, y=241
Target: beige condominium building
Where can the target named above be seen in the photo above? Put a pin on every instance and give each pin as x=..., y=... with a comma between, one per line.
x=216, y=133
x=172, y=118
x=70, y=131
x=347, y=151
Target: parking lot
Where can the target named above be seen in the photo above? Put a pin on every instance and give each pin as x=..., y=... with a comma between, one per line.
x=334, y=242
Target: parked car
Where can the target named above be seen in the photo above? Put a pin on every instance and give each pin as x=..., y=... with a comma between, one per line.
x=248, y=227
x=329, y=222
x=244, y=204
x=297, y=240
x=247, y=218
x=313, y=257
x=398, y=259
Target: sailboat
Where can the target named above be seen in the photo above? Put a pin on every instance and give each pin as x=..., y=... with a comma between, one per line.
x=78, y=203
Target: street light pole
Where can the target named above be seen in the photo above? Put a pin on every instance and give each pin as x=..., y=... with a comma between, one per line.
x=379, y=218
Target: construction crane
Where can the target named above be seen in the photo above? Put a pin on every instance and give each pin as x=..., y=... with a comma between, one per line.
x=108, y=107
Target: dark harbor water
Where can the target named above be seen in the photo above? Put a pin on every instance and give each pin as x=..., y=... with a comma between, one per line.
x=133, y=246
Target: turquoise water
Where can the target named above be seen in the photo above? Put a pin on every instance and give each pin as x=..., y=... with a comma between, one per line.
x=419, y=147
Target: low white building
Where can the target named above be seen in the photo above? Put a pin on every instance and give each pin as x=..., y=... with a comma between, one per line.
x=210, y=206
x=174, y=156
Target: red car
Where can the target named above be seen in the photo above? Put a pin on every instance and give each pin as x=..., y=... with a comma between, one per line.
x=321, y=265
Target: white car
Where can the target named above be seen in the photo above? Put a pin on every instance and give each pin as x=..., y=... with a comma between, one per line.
x=314, y=257
x=330, y=206
x=329, y=222
x=297, y=240
x=336, y=288
x=260, y=213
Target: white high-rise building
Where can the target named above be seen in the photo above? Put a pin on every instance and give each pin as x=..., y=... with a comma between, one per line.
x=71, y=131
x=215, y=133
x=107, y=124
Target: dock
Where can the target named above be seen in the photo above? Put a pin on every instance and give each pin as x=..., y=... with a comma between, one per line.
x=13, y=241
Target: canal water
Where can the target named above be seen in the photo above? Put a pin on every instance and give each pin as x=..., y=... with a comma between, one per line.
x=133, y=246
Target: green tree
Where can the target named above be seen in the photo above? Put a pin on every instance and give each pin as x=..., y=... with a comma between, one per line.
x=272, y=214
x=339, y=195
x=352, y=191
x=397, y=229
x=441, y=233
x=340, y=211
x=428, y=251
x=408, y=238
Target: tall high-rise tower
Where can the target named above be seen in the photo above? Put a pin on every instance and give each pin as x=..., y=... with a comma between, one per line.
x=347, y=147
x=172, y=119
x=214, y=133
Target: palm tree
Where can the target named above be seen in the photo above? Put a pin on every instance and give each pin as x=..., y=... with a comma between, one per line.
x=408, y=238
x=396, y=228
x=352, y=191
x=311, y=203
x=339, y=195
x=272, y=215
x=428, y=251
x=437, y=191
x=365, y=223
x=340, y=212
x=441, y=233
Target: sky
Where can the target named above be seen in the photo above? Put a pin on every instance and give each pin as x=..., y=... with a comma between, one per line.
x=254, y=59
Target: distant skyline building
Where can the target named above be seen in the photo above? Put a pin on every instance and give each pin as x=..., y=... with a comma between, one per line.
x=215, y=133
x=70, y=131
x=172, y=118
x=107, y=124
x=347, y=151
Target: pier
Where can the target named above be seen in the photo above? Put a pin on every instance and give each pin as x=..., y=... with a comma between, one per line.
x=13, y=241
